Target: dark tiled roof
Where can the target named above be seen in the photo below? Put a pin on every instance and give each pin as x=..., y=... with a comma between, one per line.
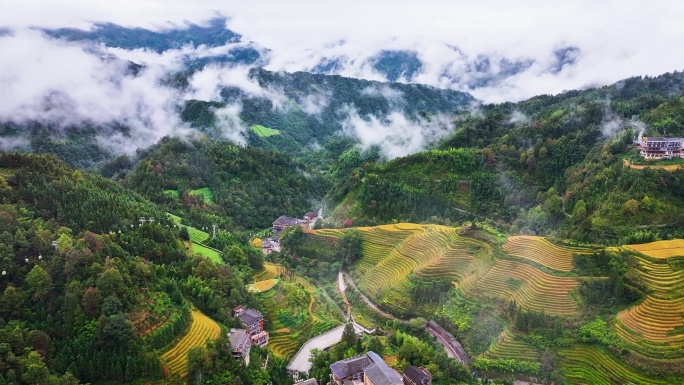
x=379, y=373
x=417, y=375
x=310, y=381
x=311, y=214
x=286, y=221
x=249, y=316
x=350, y=366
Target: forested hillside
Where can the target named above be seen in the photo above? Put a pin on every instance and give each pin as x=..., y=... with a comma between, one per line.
x=312, y=108
x=240, y=187
x=551, y=165
x=89, y=294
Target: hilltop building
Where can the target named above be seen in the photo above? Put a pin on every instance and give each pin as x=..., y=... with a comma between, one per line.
x=253, y=322
x=366, y=369
x=660, y=148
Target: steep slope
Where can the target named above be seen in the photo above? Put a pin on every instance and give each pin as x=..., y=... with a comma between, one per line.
x=88, y=292
x=558, y=158
x=248, y=187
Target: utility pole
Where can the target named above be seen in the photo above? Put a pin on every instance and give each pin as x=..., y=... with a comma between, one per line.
x=142, y=220
x=214, y=234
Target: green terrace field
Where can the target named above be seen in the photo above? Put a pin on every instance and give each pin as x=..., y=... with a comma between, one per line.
x=433, y=252
x=508, y=345
x=264, y=132
x=585, y=364
x=295, y=310
x=205, y=193
x=206, y=251
x=656, y=325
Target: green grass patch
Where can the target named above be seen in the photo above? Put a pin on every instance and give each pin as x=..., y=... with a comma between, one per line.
x=197, y=236
x=171, y=194
x=264, y=132
x=206, y=193
x=208, y=252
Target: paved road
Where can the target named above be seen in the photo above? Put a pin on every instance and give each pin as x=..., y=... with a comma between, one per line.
x=452, y=348
x=301, y=363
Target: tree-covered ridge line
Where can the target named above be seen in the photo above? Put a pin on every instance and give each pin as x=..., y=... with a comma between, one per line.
x=214, y=34
x=550, y=165
x=334, y=98
x=250, y=187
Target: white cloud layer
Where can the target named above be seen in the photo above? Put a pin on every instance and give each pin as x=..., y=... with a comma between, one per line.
x=65, y=83
x=394, y=133
x=616, y=38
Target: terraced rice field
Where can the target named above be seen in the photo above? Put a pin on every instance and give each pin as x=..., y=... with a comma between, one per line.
x=264, y=132
x=261, y=286
x=392, y=252
x=510, y=346
x=540, y=250
x=292, y=326
x=431, y=252
x=584, y=364
x=176, y=359
x=529, y=287
x=270, y=271
x=661, y=249
x=656, y=326
x=293, y=320
x=196, y=235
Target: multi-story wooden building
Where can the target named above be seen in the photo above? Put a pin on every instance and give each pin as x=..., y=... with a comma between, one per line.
x=253, y=322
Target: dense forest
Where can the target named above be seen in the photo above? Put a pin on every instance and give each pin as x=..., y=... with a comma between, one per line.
x=89, y=294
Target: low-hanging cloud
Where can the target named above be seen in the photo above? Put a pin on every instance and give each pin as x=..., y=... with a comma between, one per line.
x=230, y=125
x=395, y=98
x=67, y=84
x=395, y=134
x=315, y=103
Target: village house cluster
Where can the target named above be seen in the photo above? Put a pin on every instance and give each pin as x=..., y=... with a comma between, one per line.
x=371, y=369
x=241, y=340
x=283, y=222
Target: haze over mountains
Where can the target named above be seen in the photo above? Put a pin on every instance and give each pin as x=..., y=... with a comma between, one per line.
x=131, y=82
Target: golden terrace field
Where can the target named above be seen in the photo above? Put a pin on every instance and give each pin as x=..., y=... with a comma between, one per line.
x=176, y=359
x=656, y=325
x=661, y=249
x=392, y=252
x=540, y=250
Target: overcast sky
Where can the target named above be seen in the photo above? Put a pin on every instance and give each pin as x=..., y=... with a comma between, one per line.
x=617, y=38
x=53, y=81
